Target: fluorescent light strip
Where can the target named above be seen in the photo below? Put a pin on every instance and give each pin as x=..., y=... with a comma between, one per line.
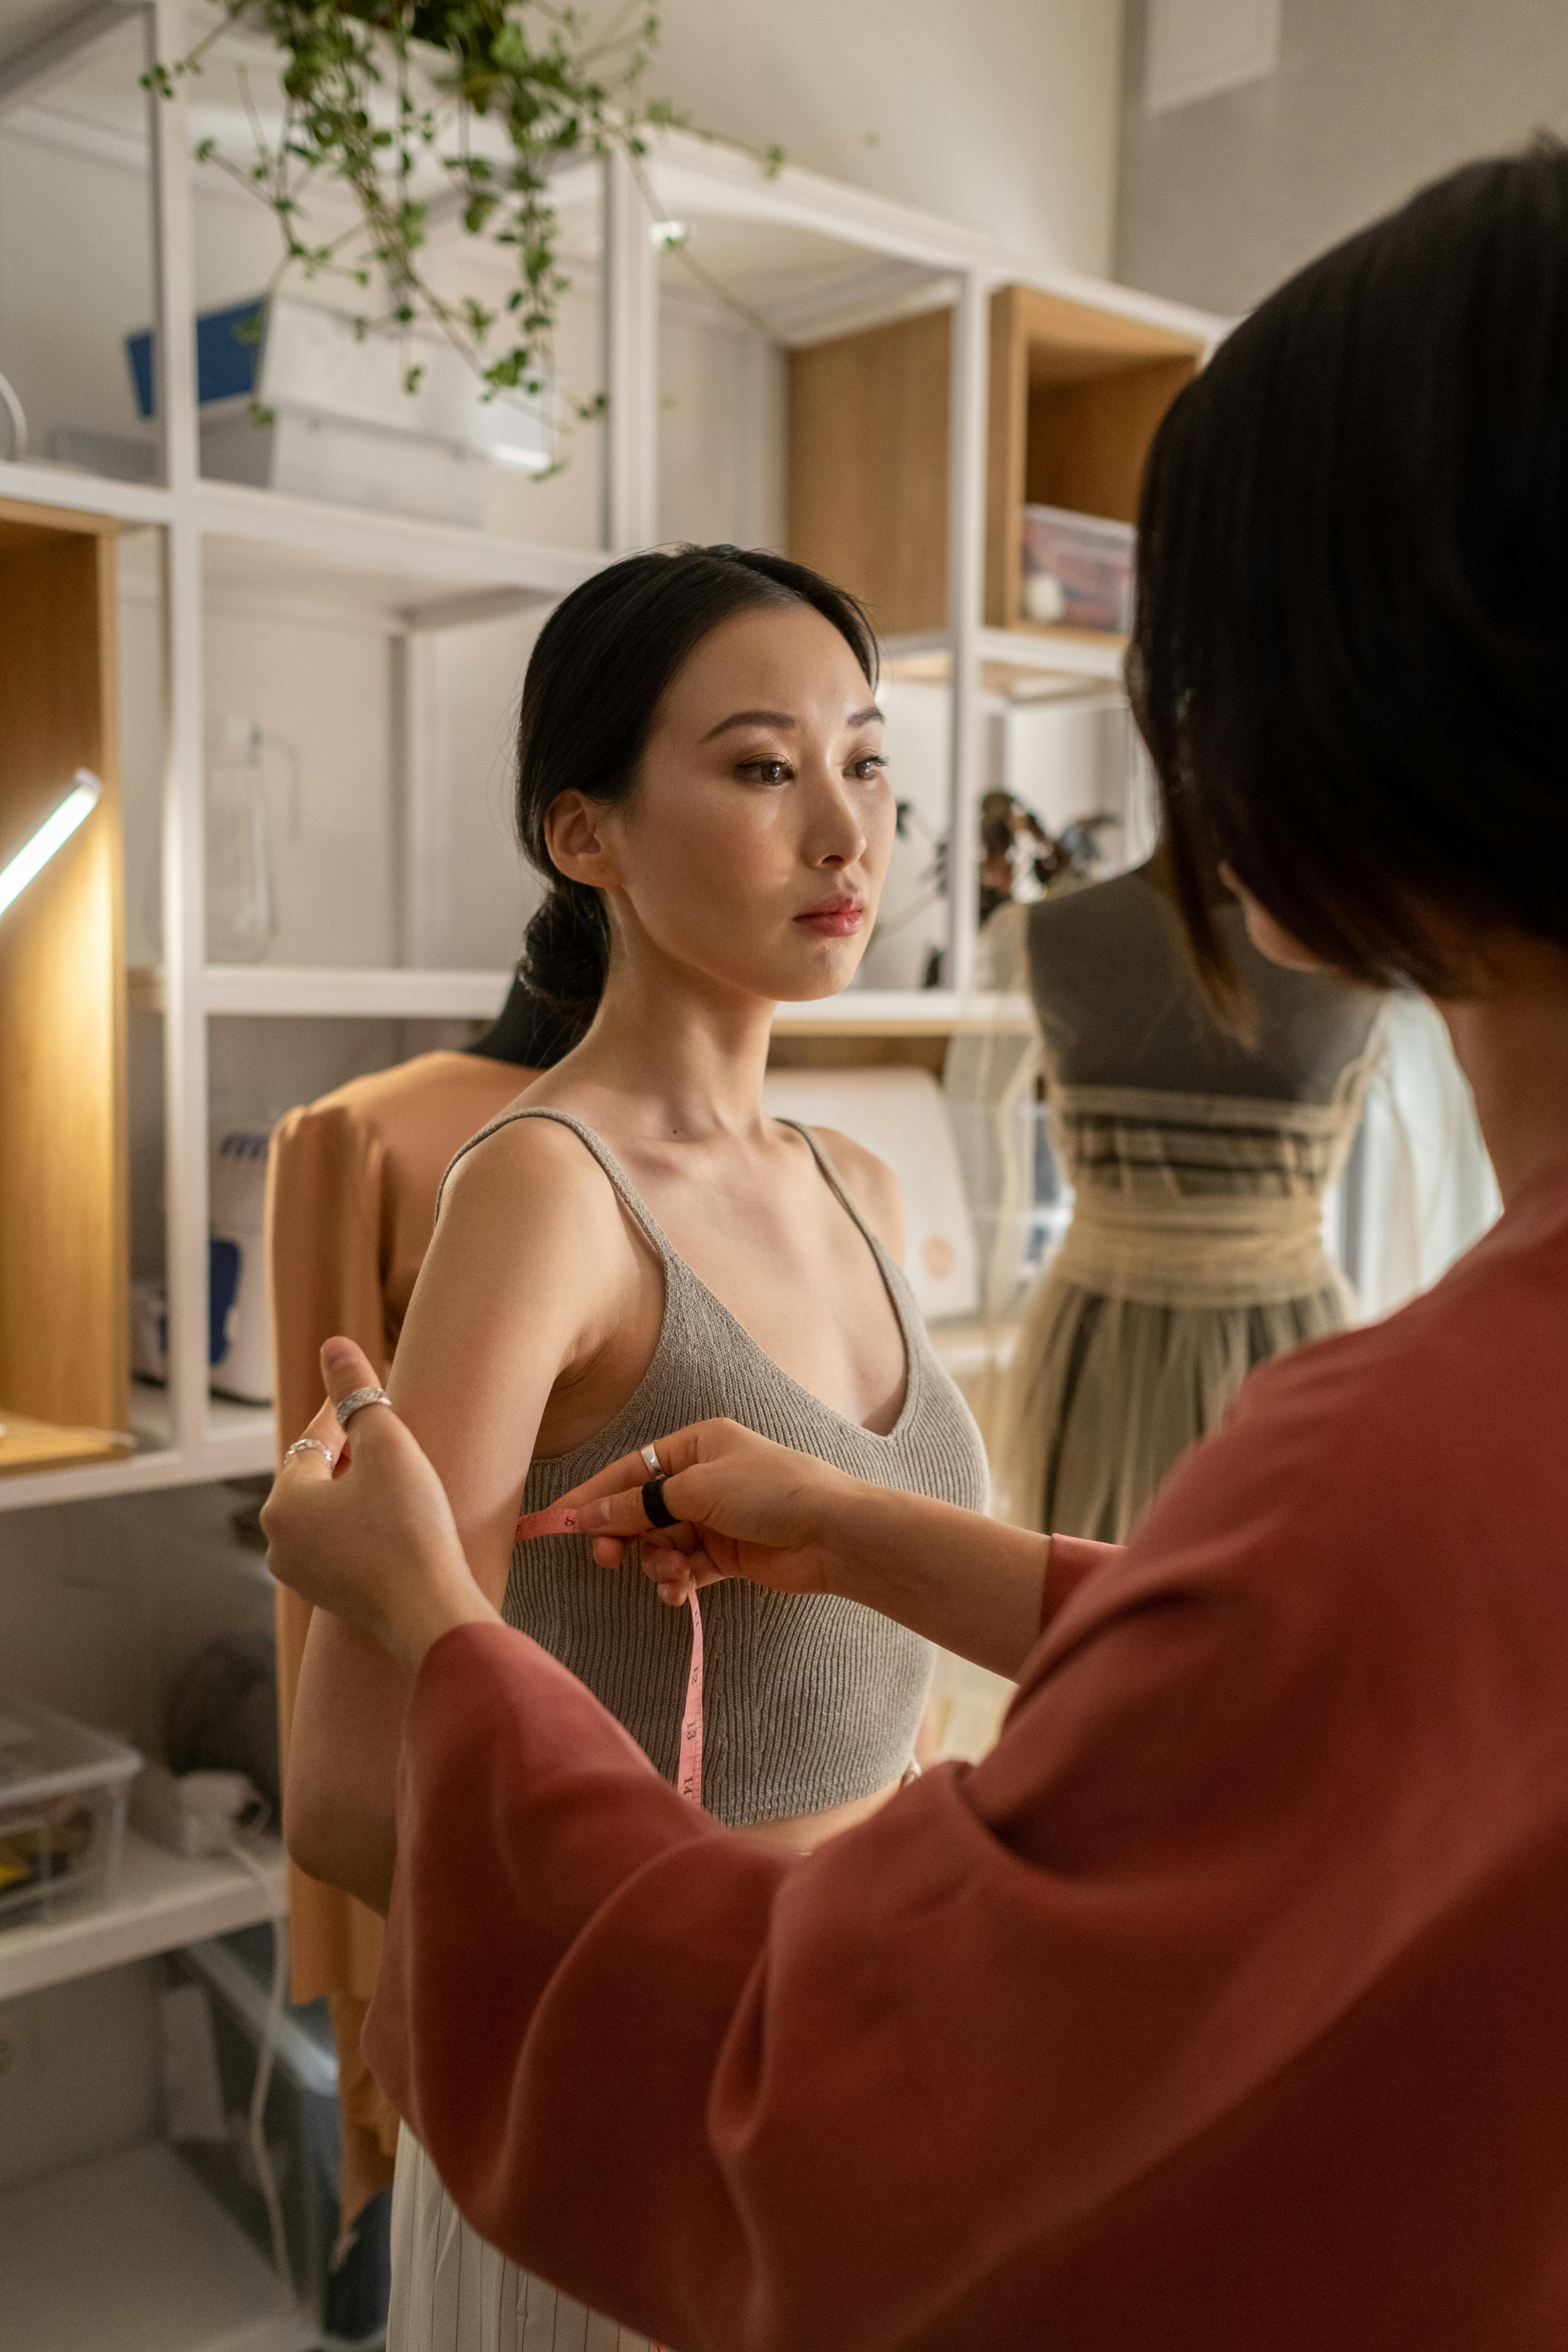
x=53, y=834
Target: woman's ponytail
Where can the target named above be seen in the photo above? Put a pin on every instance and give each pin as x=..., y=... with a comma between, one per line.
x=566, y=954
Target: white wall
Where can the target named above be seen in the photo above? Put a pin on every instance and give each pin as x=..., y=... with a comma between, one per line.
x=471, y=891
x=1000, y=117
x=1221, y=199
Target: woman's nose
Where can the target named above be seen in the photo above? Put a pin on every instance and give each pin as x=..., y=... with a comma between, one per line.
x=838, y=837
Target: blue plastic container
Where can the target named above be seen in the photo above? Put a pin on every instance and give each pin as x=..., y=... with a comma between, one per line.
x=228, y=356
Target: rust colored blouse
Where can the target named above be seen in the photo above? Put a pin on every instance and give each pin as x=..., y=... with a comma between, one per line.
x=1220, y=2007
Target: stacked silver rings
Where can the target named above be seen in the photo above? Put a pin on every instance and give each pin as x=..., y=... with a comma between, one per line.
x=657, y=1509
x=356, y=1400
x=308, y=1445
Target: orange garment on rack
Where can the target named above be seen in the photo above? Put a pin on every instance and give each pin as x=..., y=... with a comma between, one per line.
x=351, y=1203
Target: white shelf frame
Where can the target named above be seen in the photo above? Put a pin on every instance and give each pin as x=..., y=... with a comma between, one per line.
x=425, y=576
x=161, y=1901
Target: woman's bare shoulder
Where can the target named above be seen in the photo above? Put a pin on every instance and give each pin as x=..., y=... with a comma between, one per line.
x=532, y=1179
x=871, y=1184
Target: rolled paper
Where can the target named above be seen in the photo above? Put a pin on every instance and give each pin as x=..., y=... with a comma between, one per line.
x=559, y=1519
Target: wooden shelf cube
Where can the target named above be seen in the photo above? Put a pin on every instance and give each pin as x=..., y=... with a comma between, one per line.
x=1076, y=395
x=64, y=1319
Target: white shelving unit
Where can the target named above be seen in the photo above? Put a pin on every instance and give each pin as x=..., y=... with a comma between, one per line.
x=160, y=1900
x=816, y=259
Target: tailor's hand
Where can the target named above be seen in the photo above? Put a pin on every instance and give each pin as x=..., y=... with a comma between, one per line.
x=369, y=1533
x=745, y=1507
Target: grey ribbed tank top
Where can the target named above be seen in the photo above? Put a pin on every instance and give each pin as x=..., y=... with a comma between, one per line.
x=809, y=1702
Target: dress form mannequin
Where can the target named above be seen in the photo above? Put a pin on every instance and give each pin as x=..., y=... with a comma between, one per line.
x=1199, y=1165
x=350, y=1202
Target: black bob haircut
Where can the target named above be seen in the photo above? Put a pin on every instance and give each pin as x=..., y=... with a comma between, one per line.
x=1350, y=656
x=594, y=681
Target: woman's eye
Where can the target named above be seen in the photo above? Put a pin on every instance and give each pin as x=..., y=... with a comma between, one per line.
x=765, y=772
x=871, y=765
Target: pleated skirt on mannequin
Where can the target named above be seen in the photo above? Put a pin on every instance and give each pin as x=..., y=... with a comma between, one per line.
x=1105, y=1395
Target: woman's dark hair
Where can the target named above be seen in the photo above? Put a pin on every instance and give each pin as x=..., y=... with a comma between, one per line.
x=1350, y=659
x=598, y=671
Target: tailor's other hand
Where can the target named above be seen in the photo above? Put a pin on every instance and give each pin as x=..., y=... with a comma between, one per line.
x=362, y=1526
x=743, y=1507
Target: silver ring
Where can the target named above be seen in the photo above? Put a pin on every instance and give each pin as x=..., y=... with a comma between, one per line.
x=308, y=1445
x=357, y=1398
x=654, y=1463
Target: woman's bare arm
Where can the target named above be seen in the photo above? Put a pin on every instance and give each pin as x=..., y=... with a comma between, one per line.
x=526, y=1271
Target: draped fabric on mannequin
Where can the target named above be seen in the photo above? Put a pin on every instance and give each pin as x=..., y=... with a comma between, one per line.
x=1199, y=1168
x=350, y=1202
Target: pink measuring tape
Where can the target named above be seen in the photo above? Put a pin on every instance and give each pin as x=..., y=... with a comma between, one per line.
x=560, y=1520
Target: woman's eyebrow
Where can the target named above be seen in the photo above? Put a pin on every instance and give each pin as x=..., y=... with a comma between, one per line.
x=751, y=718
x=782, y=719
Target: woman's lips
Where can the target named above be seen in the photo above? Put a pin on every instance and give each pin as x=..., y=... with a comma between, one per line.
x=835, y=919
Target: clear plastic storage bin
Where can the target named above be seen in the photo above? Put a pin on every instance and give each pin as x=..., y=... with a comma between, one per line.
x=1078, y=570
x=62, y=1810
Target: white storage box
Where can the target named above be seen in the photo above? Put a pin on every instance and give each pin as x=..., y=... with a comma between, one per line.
x=62, y=1810
x=1078, y=570
x=344, y=427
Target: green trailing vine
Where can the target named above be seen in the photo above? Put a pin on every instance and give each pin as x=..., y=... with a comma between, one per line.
x=376, y=90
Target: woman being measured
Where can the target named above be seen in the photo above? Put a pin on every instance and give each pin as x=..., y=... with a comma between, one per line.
x=633, y=1245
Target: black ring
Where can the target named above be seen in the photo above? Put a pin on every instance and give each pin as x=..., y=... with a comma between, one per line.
x=657, y=1510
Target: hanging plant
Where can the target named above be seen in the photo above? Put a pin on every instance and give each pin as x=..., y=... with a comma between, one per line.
x=383, y=99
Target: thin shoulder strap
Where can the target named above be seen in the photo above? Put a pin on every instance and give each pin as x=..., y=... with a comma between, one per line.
x=602, y=1153
x=819, y=1154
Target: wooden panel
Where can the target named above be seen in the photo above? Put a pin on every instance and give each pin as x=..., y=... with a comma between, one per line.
x=1088, y=441
x=1069, y=342
x=21, y=524
x=63, y=1304
x=47, y=1446
x=1005, y=457
x=868, y=467
x=820, y=1049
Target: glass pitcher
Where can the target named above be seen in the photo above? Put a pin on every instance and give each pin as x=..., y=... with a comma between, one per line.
x=242, y=896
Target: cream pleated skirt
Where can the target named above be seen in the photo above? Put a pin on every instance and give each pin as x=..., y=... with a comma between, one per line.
x=1105, y=1395
x=451, y=2291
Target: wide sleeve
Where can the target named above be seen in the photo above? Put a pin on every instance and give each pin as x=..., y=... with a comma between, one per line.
x=901, y=2093
x=325, y=1173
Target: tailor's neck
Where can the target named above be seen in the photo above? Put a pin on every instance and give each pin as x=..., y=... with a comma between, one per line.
x=1512, y=1045
x=686, y=1054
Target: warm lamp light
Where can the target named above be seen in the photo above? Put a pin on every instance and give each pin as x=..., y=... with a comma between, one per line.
x=53, y=834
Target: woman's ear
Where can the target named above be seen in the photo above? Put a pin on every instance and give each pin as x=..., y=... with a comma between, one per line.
x=573, y=834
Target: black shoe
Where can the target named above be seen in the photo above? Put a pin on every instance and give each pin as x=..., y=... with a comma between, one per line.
x=359, y=2279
